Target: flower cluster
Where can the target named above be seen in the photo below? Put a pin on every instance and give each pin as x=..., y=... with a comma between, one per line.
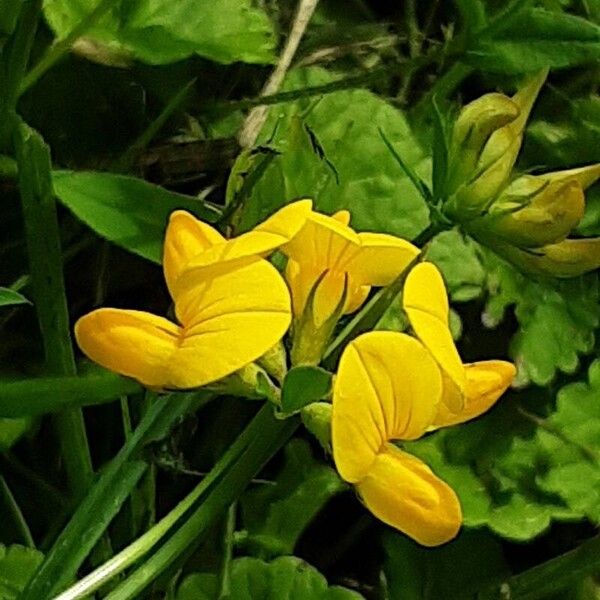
x=233, y=307
x=527, y=219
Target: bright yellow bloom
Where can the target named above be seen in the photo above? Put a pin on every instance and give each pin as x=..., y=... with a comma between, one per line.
x=388, y=387
x=337, y=266
x=468, y=389
x=232, y=306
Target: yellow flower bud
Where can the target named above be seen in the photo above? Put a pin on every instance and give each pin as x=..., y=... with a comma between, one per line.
x=317, y=419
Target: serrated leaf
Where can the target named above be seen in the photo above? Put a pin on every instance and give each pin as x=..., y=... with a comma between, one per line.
x=276, y=515
x=17, y=565
x=303, y=385
x=357, y=171
x=534, y=38
x=126, y=211
x=9, y=297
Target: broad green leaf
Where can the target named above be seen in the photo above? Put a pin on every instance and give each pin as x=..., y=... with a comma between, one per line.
x=557, y=319
x=303, y=385
x=332, y=151
x=11, y=431
x=455, y=570
x=199, y=586
x=534, y=38
x=126, y=211
x=160, y=32
x=574, y=467
x=9, y=297
x=276, y=515
x=17, y=565
x=493, y=464
x=39, y=395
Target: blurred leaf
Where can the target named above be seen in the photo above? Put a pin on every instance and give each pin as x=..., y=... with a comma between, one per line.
x=557, y=319
x=459, y=259
x=9, y=297
x=276, y=515
x=17, y=565
x=199, y=586
x=160, y=32
x=534, y=38
x=303, y=385
x=11, y=430
x=454, y=570
x=127, y=211
x=340, y=160
x=574, y=468
x=40, y=395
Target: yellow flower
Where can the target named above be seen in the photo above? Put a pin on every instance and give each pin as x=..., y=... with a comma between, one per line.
x=388, y=387
x=337, y=266
x=232, y=306
x=468, y=389
x=530, y=221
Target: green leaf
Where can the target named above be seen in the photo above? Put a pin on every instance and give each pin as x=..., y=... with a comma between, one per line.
x=11, y=431
x=534, y=38
x=9, y=297
x=303, y=385
x=17, y=565
x=199, y=586
x=557, y=319
x=160, y=32
x=571, y=438
x=40, y=395
x=276, y=515
x=106, y=496
x=343, y=162
x=126, y=211
x=455, y=570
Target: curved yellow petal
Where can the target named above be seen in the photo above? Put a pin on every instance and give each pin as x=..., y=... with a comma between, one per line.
x=323, y=241
x=230, y=320
x=403, y=492
x=134, y=343
x=426, y=304
x=356, y=297
x=185, y=237
x=585, y=176
x=486, y=381
x=287, y=221
x=343, y=216
x=380, y=258
x=387, y=387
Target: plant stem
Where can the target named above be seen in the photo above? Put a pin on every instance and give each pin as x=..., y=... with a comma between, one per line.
x=225, y=575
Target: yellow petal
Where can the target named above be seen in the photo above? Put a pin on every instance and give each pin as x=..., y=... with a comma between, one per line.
x=287, y=221
x=343, y=216
x=585, y=176
x=387, y=387
x=323, y=242
x=186, y=237
x=228, y=321
x=356, y=298
x=426, y=305
x=403, y=492
x=380, y=258
x=486, y=381
x=130, y=342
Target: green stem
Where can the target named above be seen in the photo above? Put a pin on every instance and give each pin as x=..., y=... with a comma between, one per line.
x=225, y=579
x=549, y=577
x=61, y=47
x=228, y=478
x=45, y=262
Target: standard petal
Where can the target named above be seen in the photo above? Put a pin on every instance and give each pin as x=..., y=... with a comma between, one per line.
x=387, y=387
x=380, y=259
x=426, y=304
x=287, y=221
x=186, y=237
x=403, y=492
x=230, y=320
x=486, y=381
x=130, y=342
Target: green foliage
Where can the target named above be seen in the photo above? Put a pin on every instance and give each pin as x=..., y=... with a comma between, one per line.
x=159, y=32
x=17, y=565
x=127, y=211
x=11, y=431
x=533, y=38
x=303, y=385
x=285, y=578
x=331, y=150
x=275, y=516
x=9, y=297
